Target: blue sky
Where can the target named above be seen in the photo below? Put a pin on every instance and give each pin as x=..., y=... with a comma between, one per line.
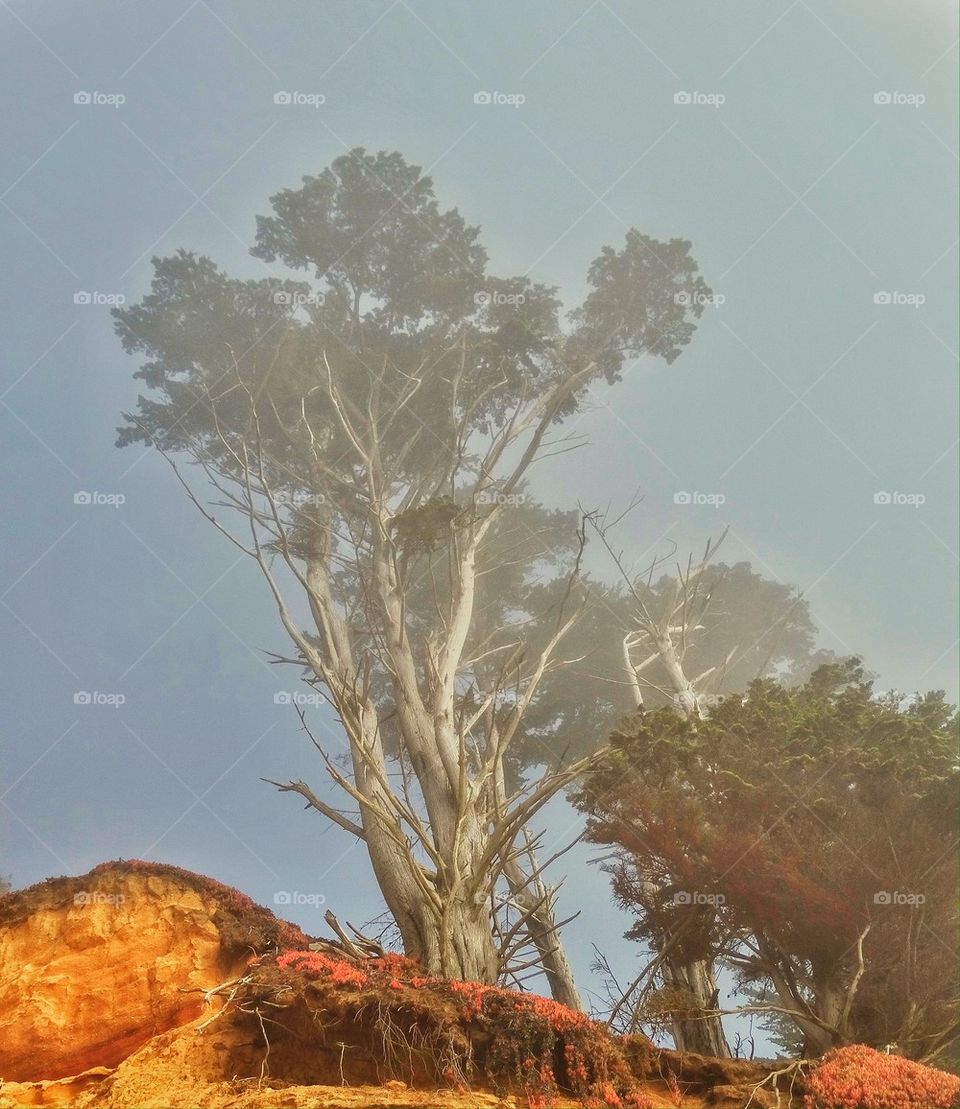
x=814, y=170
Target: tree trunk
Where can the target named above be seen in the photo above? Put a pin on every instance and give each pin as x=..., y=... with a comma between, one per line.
x=448, y=932
x=553, y=958
x=457, y=944
x=829, y=994
x=529, y=889
x=433, y=866
x=542, y=929
x=817, y=1041
x=701, y=1034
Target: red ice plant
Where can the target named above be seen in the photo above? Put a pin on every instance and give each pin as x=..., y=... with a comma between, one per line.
x=610, y=1096
x=857, y=1077
x=676, y=1094
x=522, y=1031
x=315, y=965
x=398, y=966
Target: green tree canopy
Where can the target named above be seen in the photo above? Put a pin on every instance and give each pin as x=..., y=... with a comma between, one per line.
x=807, y=837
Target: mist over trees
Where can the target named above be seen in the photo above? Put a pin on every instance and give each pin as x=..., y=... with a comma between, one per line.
x=752, y=627
x=372, y=428
x=805, y=838
x=367, y=436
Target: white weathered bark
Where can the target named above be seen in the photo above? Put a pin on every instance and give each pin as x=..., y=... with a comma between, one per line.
x=702, y=1033
x=440, y=841
x=665, y=638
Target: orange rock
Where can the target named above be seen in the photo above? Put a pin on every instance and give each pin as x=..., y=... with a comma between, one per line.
x=92, y=967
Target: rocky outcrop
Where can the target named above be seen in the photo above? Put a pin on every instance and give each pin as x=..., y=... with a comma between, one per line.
x=93, y=967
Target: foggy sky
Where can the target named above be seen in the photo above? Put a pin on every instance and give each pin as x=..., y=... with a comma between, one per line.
x=814, y=170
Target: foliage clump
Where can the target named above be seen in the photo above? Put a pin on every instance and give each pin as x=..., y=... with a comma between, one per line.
x=804, y=836
x=313, y=965
x=513, y=1042
x=857, y=1077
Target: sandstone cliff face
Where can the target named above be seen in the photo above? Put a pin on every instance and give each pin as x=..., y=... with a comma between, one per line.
x=93, y=967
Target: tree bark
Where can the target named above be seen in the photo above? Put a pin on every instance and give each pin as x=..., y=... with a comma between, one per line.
x=542, y=929
x=437, y=838
x=553, y=959
x=455, y=944
x=701, y=1034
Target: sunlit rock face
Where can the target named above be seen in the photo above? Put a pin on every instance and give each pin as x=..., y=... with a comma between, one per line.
x=93, y=967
